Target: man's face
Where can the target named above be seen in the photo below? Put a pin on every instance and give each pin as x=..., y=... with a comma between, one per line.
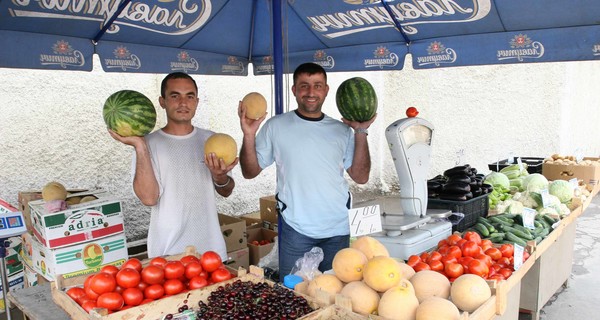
x=180, y=100
x=310, y=92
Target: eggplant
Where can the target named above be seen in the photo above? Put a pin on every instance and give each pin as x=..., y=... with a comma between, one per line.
x=457, y=188
x=453, y=197
x=458, y=178
x=458, y=170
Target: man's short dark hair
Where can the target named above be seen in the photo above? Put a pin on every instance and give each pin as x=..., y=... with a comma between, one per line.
x=310, y=68
x=175, y=75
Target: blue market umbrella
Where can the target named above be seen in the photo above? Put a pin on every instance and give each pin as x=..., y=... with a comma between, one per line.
x=225, y=37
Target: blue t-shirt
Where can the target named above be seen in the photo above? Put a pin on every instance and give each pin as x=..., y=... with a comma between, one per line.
x=311, y=156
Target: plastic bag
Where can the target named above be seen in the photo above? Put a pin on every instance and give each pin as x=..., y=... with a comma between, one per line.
x=271, y=260
x=307, y=267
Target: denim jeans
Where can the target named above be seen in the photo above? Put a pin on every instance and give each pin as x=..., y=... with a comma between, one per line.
x=293, y=245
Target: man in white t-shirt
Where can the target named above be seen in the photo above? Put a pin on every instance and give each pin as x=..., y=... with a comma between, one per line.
x=174, y=176
x=311, y=151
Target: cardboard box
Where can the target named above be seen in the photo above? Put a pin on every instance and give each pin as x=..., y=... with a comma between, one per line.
x=238, y=258
x=26, y=196
x=15, y=282
x=5, y=207
x=590, y=174
x=30, y=277
x=268, y=209
x=234, y=232
x=79, y=223
x=79, y=259
x=259, y=251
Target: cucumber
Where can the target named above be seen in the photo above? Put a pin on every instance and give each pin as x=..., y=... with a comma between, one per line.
x=500, y=221
x=486, y=223
x=513, y=238
x=514, y=231
x=538, y=240
x=549, y=219
x=496, y=239
x=522, y=229
x=482, y=229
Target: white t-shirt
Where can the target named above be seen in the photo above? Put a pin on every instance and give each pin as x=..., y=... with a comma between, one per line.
x=186, y=212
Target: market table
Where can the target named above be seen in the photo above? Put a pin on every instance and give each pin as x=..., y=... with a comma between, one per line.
x=36, y=303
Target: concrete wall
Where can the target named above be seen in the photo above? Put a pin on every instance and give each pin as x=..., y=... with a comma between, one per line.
x=51, y=126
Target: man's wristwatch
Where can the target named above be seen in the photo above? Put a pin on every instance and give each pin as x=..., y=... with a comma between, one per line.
x=361, y=130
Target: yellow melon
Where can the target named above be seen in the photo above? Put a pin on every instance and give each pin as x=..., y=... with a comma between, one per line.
x=87, y=199
x=54, y=191
x=348, y=264
x=370, y=246
x=436, y=308
x=256, y=105
x=469, y=292
x=382, y=273
x=364, y=299
x=428, y=283
x=327, y=283
x=223, y=146
x=399, y=302
x=407, y=271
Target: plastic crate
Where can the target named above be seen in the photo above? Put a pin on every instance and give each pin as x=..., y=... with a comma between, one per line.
x=534, y=165
x=471, y=209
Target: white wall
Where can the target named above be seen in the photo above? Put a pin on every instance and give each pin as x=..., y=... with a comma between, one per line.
x=51, y=126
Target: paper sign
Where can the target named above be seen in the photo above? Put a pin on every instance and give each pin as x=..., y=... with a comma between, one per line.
x=528, y=217
x=364, y=220
x=518, y=256
x=545, y=198
x=578, y=155
x=520, y=163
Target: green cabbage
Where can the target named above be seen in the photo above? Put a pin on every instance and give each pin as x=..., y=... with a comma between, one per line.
x=497, y=179
x=535, y=182
x=562, y=189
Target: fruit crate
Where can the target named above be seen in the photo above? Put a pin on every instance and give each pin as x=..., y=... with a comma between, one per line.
x=471, y=209
x=534, y=165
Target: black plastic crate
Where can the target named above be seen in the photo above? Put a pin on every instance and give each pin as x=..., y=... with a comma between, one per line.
x=534, y=165
x=472, y=209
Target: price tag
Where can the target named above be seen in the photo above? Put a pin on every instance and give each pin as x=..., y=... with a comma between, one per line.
x=518, y=256
x=578, y=155
x=528, y=218
x=520, y=163
x=459, y=156
x=510, y=158
x=364, y=220
x=545, y=198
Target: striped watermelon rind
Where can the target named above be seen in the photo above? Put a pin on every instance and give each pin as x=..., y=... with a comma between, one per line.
x=356, y=99
x=129, y=113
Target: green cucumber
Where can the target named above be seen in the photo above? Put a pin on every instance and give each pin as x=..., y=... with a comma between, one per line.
x=482, y=229
x=513, y=238
x=518, y=233
x=486, y=223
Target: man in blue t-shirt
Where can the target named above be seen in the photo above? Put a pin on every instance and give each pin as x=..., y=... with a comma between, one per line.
x=311, y=151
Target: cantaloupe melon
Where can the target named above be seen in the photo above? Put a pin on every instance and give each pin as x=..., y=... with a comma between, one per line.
x=436, y=308
x=348, y=264
x=469, y=292
x=256, y=105
x=223, y=146
x=407, y=271
x=382, y=273
x=87, y=199
x=325, y=282
x=364, y=299
x=399, y=302
x=428, y=283
x=370, y=246
x=54, y=191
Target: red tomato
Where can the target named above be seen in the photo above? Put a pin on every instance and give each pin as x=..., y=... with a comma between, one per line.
x=494, y=253
x=455, y=252
x=155, y=291
x=173, y=286
x=421, y=266
x=443, y=243
x=453, y=239
x=486, y=244
x=525, y=255
x=485, y=258
x=192, y=269
x=189, y=258
x=197, y=283
x=174, y=270
x=86, y=283
x=76, y=293
x=448, y=259
x=203, y=274
x=128, y=278
x=110, y=269
x=472, y=236
x=90, y=293
x=424, y=256
x=221, y=274
x=133, y=296
x=470, y=249
x=142, y=285
x=413, y=260
x=506, y=272
x=412, y=112
x=504, y=261
x=496, y=267
x=89, y=305
x=210, y=261
x=158, y=261
x=146, y=300
x=454, y=270
x=507, y=250
x=465, y=262
x=153, y=275
x=443, y=250
x=102, y=283
x=497, y=276
x=436, y=265
x=119, y=289
x=479, y=268
x=110, y=300
x=133, y=263
x=434, y=256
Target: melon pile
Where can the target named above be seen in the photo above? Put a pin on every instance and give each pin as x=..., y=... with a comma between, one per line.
x=376, y=283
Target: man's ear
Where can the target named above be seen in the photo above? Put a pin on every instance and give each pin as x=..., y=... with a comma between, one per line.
x=294, y=90
x=161, y=101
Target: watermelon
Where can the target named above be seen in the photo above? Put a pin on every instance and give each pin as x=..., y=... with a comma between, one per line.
x=356, y=99
x=129, y=113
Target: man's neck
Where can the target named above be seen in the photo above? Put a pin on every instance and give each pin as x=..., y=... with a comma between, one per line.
x=177, y=129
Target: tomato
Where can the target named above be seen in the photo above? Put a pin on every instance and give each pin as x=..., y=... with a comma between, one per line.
x=470, y=249
x=412, y=112
x=128, y=278
x=174, y=270
x=496, y=267
x=119, y=289
x=153, y=275
x=132, y=296
x=203, y=274
x=454, y=270
x=453, y=239
x=486, y=244
x=133, y=263
x=525, y=255
x=189, y=258
x=424, y=256
x=479, y=268
x=103, y=282
x=504, y=261
x=413, y=260
x=158, y=261
x=448, y=259
x=497, y=276
x=192, y=269
x=434, y=256
x=154, y=291
x=221, y=274
x=485, y=258
x=465, y=262
x=88, y=305
x=455, y=252
x=507, y=250
x=110, y=301
x=494, y=253
x=173, y=286
x=443, y=243
x=421, y=266
x=210, y=261
x=86, y=283
x=436, y=265
x=146, y=300
x=472, y=236
x=443, y=250
x=110, y=269
x=506, y=272
x=197, y=283
x=90, y=293
x=142, y=285
x=76, y=293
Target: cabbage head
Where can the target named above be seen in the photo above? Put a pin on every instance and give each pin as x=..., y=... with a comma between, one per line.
x=497, y=179
x=562, y=189
x=535, y=182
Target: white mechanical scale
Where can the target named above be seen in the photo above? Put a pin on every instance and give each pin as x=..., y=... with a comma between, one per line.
x=11, y=224
x=408, y=226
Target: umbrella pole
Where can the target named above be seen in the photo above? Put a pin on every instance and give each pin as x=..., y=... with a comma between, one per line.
x=278, y=55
